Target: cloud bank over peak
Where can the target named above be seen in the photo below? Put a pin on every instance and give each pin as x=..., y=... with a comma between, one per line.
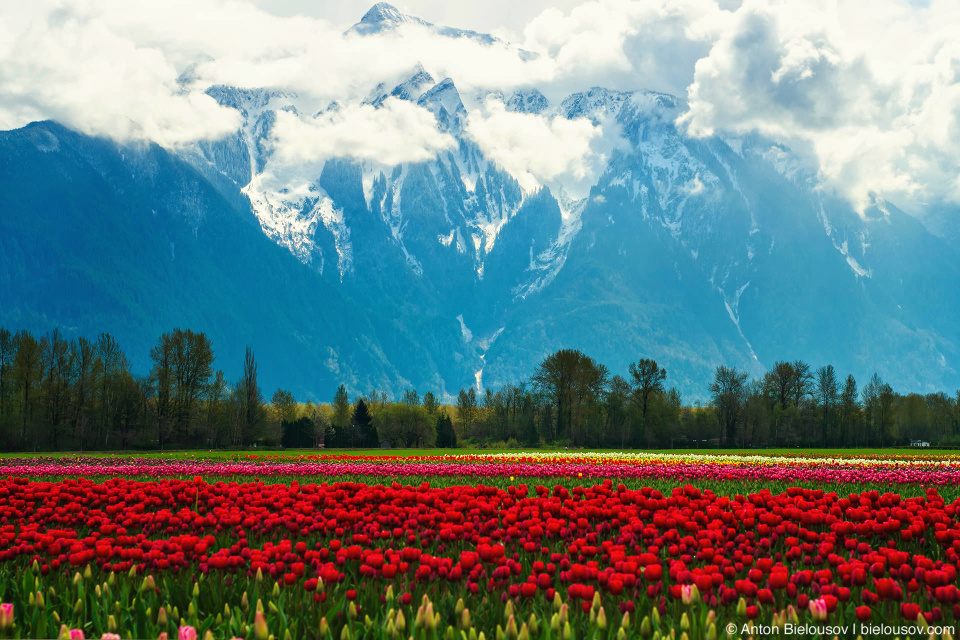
x=870, y=95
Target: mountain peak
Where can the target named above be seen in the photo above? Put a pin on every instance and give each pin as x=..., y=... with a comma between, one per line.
x=386, y=17
x=444, y=101
x=384, y=12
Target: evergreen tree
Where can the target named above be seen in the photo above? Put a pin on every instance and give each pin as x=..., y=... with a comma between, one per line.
x=446, y=437
x=363, y=424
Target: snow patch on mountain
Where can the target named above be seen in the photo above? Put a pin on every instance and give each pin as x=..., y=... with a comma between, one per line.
x=842, y=245
x=547, y=265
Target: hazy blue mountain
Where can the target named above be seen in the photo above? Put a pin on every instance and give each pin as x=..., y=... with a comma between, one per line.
x=133, y=241
x=448, y=273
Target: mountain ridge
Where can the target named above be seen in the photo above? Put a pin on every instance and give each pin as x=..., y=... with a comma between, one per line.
x=697, y=252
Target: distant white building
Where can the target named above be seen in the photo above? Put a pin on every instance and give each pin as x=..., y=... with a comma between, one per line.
x=919, y=443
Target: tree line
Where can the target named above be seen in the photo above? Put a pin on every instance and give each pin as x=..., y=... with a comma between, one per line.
x=80, y=394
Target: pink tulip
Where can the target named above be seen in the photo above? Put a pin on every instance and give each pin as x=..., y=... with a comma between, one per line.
x=187, y=633
x=818, y=609
x=6, y=615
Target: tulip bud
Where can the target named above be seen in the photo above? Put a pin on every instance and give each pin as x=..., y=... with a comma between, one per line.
x=742, y=608
x=508, y=609
x=645, y=627
x=555, y=623
x=76, y=580
x=472, y=635
x=110, y=579
x=402, y=621
x=345, y=633
x=324, y=626
x=655, y=616
x=162, y=617
x=111, y=624
x=792, y=615
x=244, y=602
x=601, y=619
x=389, y=597
x=524, y=632
x=272, y=607
x=259, y=605
x=260, y=629
x=459, y=607
x=596, y=601
x=219, y=619
x=351, y=610
x=276, y=590
x=418, y=620
x=64, y=633
x=32, y=600
x=684, y=622
x=465, y=619
x=148, y=584
x=196, y=589
x=481, y=636
x=621, y=634
x=711, y=632
x=40, y=599
x=557, y=602
x=625, y=620
x=133, y=571
x=512, y=631
x=367, y=622
x=567, y=632
x=391, y=630
x=564, y=614
x=87, y=574
x=450, y=634
x=684, y=636
x=208, y=635
x=35, y=566
x=259, y=575
x=500, y=634
x=533, y=624
x=286, y=635
x=78, y=608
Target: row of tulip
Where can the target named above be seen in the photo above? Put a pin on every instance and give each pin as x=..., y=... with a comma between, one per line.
x=83, y=557
x=695, y=468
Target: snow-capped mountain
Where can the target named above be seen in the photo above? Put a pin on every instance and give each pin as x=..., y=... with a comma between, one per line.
x=696, y=252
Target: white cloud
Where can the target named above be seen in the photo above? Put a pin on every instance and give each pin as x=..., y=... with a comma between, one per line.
x=59, y=62
x=870, y=94
x=396, y=133
x=539, y=150
x=877, y=118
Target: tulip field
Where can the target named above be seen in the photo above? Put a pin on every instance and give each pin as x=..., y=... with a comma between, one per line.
x=468, y=547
